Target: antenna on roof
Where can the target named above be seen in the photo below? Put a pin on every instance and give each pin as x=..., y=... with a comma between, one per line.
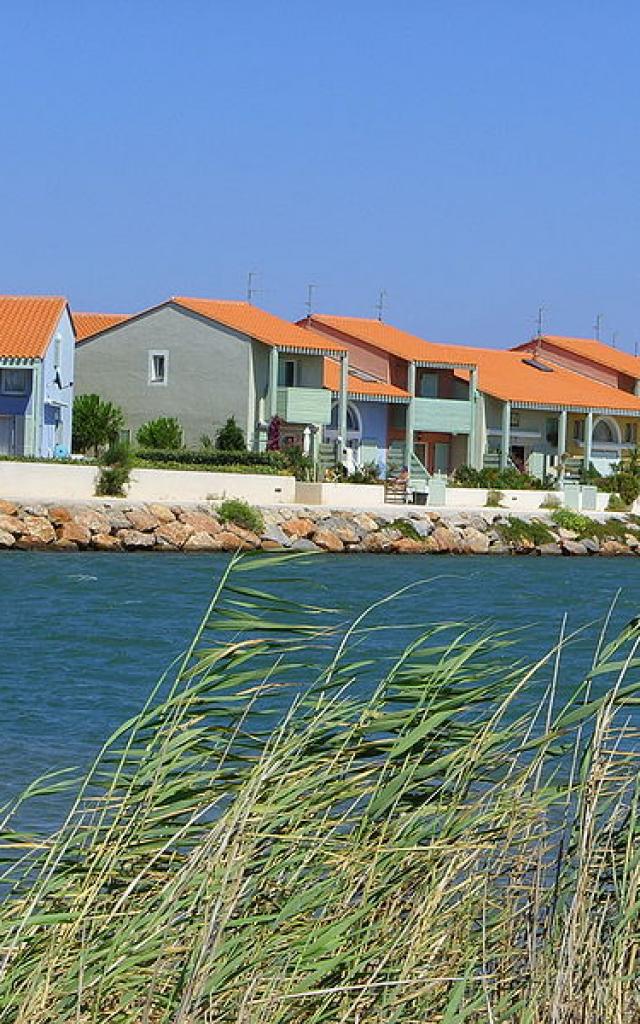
x=540, y=321
x=597, y=326
x=614, y=338
x=311, y=288
x=250, y=287
x=635, y=348
x=382, y=294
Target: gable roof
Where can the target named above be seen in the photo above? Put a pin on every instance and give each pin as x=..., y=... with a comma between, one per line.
x=27, y=323
x=258, y=324
x=590, y=348
x=360, y=386
x=510, y=376
x=391, y=339
x=87, y=324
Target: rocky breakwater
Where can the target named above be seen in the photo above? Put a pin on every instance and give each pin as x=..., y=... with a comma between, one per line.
x=120, y=526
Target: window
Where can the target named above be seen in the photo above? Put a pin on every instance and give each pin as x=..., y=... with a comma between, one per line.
x=630, y=433
x=551, y=431
x=603, y=433
x=158, y=364
x=287, y=373
x=124, y=436
x=515, y=419
x=57, y=351
x=15, y=382
x=578, y=430
x=428, y=387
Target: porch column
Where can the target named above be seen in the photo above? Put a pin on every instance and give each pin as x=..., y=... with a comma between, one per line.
x=588, y=438
x=411, y=415
x=272, y=390
x=472, y=444
x=562, y=442
x=342, y=398
x=505, y=443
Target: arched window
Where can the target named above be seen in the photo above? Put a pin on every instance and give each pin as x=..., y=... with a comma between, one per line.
x=605, y=432
x=354, y=424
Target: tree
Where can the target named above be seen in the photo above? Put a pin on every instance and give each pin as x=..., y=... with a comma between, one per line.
x=230, y=438
x=96, y=423
x=164, y=433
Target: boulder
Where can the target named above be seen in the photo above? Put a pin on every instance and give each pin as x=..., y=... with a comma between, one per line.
x=10, y=524
x=7, y=540
x=95, y=521
x=275, y=537
x=566, y=534
x=327, y=540
x=445, y=539
x=201, y=540
x=551, y=548
x=304, y=544
x=408, y=546
x=136, y=539
x=365, y=522
x=298, y=527
x=201, y=522
x=423, y=527
x=161, y=512
x=378, y=541
x=37, y=530
x=105, y=542
x=7, y=508
x=592, y=545
x=474, y=542
x=614, y=547
x=573, y=547
x=248, y=537
x=74, y=534
x=174, y=534
x=64, y=545
x=59, y=514
x=342, y=529
x=142, y=520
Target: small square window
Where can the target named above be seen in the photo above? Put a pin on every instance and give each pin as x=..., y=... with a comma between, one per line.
x=158, y=365
x=15, y=382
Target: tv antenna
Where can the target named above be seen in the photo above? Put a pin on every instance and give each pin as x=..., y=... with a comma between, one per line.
x=311, y=288
x=597, y=326
x=540, y=321
x=382, y=294
x=614, y=338
x=251, y=290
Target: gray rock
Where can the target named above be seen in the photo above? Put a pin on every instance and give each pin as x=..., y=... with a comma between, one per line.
x=423, y=527
x=277, y=535
x=592, y=545
x=550, y=549
x=573, y=547
x=303, y=544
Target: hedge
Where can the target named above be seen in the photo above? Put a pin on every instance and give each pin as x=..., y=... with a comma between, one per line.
x=213, y=457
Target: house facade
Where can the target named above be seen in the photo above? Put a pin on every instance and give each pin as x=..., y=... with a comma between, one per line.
x=37, y=350
x=202, y=361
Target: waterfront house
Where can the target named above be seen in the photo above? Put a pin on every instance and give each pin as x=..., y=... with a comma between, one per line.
x=37, y=345
x=204, y=360
x=483, y=406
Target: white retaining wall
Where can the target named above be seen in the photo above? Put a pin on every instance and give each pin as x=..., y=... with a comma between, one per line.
x=522, y=501
x=340, y=495
x=33, y=481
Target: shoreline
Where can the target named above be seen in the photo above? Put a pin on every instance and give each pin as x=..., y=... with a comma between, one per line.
x=124, y=526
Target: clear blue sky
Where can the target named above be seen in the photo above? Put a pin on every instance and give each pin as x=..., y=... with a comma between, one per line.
x=476, y=159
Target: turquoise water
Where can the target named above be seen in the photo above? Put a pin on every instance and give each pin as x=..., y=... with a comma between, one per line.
x=83, y=637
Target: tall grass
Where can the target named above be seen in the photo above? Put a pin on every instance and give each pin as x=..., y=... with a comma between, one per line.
x=269, y=840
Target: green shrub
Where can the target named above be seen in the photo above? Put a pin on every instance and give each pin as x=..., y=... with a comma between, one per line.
x=230, y=438
x=96, y=423
x=115, y=471
x=522, y=534
x=567, y=519
x=212, y=458
x=508, y=479
x=162, y=433
x=494, y=499
x=616, y=504
x=235, y=510
x=406, y=528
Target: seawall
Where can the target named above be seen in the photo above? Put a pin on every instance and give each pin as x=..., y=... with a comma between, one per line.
x=112, y=525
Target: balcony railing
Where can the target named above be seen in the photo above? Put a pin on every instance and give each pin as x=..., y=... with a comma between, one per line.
x=304, y=405
x=446, y=415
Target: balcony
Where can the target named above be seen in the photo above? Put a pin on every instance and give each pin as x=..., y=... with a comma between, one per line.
x=304, y=405
x=445, y=415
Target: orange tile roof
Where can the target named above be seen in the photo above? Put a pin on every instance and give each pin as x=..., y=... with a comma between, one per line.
x=257, y=323
x=87, y=324
x=27, y=323
x=508, y=376
x=399, y=343
x=359, y=386
x=596, y=351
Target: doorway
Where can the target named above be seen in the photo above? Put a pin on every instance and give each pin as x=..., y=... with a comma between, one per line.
x=7, y=435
